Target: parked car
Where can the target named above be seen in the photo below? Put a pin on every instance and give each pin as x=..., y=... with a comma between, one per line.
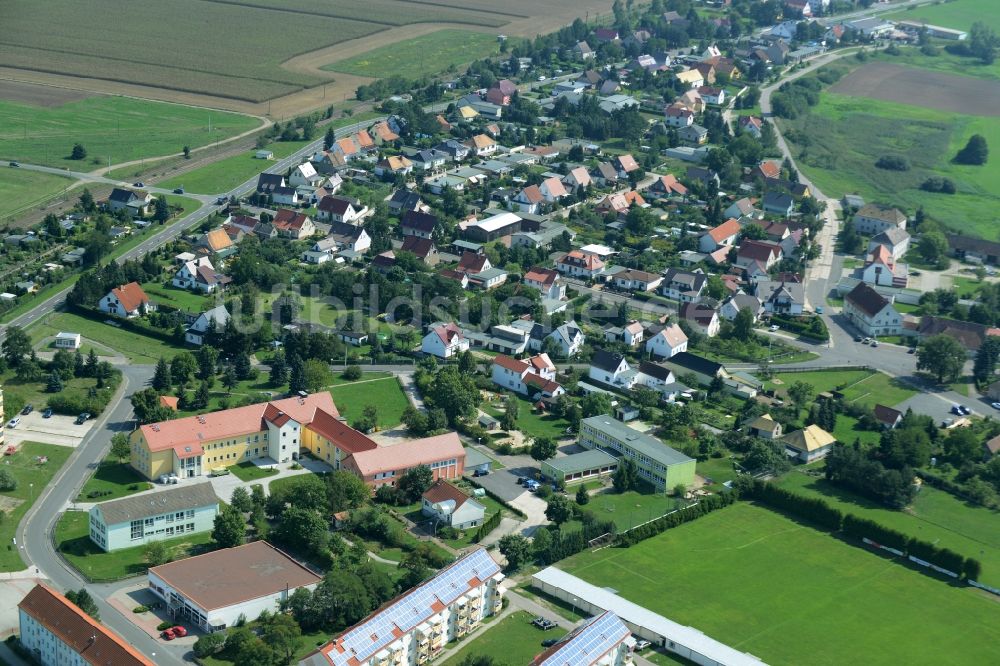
x=82, y=418
x=481, y=472
x=14, y=164
x=640, y=644
x=179, y=190
x=963, y=410
x=179, y=631
x=911, y=350
x=866, y=341
x=221, y=201
x=13, y=422
x=138, y=183
x=995, y=405
x=874, y=343
x=774, y=327
x=549, y=642
x=27, y=409
x=819, y=310
x=168, y=634
x=47, y=414
x=858, y=338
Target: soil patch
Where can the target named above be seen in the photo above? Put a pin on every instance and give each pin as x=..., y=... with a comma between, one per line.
x=8, y=504
x=39, y=95
x=921, y=87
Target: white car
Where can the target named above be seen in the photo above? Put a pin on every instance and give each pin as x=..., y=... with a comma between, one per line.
x=13, y=422
x=541, y=78
x=774, y=327
x=995, y=405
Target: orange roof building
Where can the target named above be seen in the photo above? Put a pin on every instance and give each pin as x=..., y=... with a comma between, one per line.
x=383, y=465
x=52, y=627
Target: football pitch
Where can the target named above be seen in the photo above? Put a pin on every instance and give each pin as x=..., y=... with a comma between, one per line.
x=790, y=594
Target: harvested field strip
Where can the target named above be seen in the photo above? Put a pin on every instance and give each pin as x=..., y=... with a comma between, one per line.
x=487, y=9
x=387, y=12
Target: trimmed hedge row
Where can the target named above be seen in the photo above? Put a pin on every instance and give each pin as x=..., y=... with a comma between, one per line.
x=818, y=511
x=802, y=328
x=491, y=524
x=676, y=518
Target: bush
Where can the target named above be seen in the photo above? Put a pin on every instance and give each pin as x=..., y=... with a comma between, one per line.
x=7, y=480
x=164, y=626
x=209, y=644
x=352, y=373
x=938, y=184
x=893, y=163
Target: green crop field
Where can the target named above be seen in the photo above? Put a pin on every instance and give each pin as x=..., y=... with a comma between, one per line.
x=838, y=143
x=21, y=189
x=790, y=594
x=934, y=516
x=221, y=48
x=385, y=394
x=119, y=128
x=414, y=57
x=957, y=14
x=227, y=173
x=512, y=640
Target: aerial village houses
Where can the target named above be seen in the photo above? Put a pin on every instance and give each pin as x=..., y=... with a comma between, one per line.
x=450, y=506
x=444, y=341
x=873, y=219
x=128, y=301
x=870, y=312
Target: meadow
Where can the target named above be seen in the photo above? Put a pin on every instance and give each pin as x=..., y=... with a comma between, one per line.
x=839, y=141
x=224, y=49
x=413, y=58
x=116, y=128
x=957, y=14
x=934, y=516
x=21, y=190
x=383, y=393
x=790, y=594
x=137, y=348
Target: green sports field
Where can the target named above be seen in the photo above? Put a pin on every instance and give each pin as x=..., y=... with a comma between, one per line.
x=790, y=594
x=415, y=57
x=119, y=128
x=934, y=516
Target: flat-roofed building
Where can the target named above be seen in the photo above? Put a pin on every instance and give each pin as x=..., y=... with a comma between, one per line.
x=416, y=626
x=213, y=590
x=154, y=516
x=56, y=632
x=665, y=468
x=581, y=466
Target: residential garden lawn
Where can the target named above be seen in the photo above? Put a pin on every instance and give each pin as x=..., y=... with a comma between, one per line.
x=182, y=299
x=775, y=588
x=17, y=394
x=247, y=471
x=72, y=537
x=116, y=128
x=32, y=478
x=512, y=640
x=114, y=477
x=21, y=190
x=821, y=380
x=531, y=423
x=935, y=516
x=846, y=432
x=967, y=287
x=413, y=58
x=385, y=394
x=903, y=308
x=847, y=135
x=340, y=380
x=138, y=348
x=224, y=175
x=719, y=470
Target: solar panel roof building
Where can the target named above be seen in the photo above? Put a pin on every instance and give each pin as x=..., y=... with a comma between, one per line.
x=602, y=640
x=686, y=641
x=416, y=626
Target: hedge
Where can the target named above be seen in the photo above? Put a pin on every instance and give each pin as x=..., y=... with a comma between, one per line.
x=491, y=524
x=801, y=327
x=673, y=519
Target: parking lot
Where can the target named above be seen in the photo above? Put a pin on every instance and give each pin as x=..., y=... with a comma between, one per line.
x=57, y=429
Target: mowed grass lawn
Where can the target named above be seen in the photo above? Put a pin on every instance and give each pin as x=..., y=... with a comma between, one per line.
x=72, y=536
x=21, y=190
x=934, y=516
x=529, y=421
x=182, y=299
x=119, y=128
x=113, y=477
x=32, y=476
x=860, y=387
x=413, y=58
x=839, y=141
x=227, y=173
x=512, y=640
x=385, y=394
x=789, y=594
x=138, y=348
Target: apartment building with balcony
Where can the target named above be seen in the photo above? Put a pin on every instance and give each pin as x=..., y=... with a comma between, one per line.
x=417, y=625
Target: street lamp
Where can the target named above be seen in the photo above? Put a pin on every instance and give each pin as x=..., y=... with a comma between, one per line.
x=31, y=494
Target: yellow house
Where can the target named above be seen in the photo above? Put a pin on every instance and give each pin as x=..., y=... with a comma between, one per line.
x=196, y=445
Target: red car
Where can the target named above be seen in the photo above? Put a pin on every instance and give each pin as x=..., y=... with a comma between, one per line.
x=168, y=634
x=179, y=631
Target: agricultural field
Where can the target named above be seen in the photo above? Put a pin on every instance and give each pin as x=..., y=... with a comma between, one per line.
x=118, y=129
x=839, y=141
x=189, y=53
x=934, y=516
x=227, y=173
x=791, y=594
x=957, y=14
x=413, y=58
x=21, y=190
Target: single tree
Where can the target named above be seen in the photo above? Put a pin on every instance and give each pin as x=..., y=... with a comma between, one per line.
x=345, y=491
x=352, y=373
x=156, y=553
x=279, y=369
x=329, y=138
x=558, y=509
x=161, y=211
x=182, y=368
x=508, y=421
x=985, y=365
x=162, y=380
x=78, y=152
x=120, y=447
x=229, y=379
x=414, y=482
x=230, y=528
x=240, y=500
x=16, y=346
x=626, y=477
x=187, y=152
x=516, y=549
x=55, y=383
x=582, y=496
x=942, y=356
x=84, y=602
x=743, y=325
x=975, y=152
x=316, y=374
x=801, y=393
x=8, y=481
x=543, y=448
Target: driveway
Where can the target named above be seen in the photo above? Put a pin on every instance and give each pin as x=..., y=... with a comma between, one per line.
x=57, y=429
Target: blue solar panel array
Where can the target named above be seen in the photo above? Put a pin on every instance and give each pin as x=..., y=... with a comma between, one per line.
x=589, y=642
x=410, y=610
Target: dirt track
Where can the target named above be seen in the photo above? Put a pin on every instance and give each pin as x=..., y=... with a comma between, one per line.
x=920, y=87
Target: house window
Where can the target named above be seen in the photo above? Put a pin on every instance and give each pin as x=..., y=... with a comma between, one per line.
x=136, y=529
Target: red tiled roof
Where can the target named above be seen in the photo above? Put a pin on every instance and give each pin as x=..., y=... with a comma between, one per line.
x=289, y=219
x=543, y=275
x=408, y=454
x=131, y=296
x=442, y=491
x=727, y=229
